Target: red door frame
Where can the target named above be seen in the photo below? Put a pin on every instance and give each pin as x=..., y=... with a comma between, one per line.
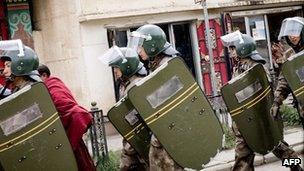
x=220, y=65
x=4, y=32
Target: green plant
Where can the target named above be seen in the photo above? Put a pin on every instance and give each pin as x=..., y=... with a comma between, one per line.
x=110, y=163
x=290, y=115
x=229, y=137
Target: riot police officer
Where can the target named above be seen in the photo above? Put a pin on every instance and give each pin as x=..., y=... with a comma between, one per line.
x=151, y=44
x=292, y=30
x=20, y=71
x=129, y=70
x=243, y=49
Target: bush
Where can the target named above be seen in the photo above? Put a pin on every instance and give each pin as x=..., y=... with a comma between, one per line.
x=290, y=115
x=229, y=137
x=111, y=163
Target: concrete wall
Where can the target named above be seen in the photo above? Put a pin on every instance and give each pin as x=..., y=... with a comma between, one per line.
x=104, y=9
x=70, y=35
x=70, y=49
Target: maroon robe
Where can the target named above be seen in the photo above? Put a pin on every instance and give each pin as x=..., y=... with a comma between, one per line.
x=75, y=119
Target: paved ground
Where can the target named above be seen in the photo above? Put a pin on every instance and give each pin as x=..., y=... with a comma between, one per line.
x=225, y=159
x=114, y=142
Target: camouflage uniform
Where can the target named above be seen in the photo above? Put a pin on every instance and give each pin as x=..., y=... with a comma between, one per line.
x=292, y=30
x=22, y=85
x=283, y=90
x=278, y=57
x=159, y=159
x=151, y=44
x=244, y=156
x=130, y=159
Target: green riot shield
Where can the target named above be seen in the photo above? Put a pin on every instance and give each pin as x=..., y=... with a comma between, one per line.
x=178, y=113
x=293, y=71
x=130, y=125
x=248, y=98
x=31, y=134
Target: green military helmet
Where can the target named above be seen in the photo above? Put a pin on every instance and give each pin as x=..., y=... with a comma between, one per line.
x=126, y=59
x=128, y=65
x=245, y=48
x=155, y=42
x=23, y=65
x=244, y=45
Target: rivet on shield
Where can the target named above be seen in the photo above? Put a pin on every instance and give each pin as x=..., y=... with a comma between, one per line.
x=52, y=131
x=10, y=144
x=58, y=146
x=21, y=159
x=193, y=99
x=202, y=111
x=137, y=130
x=157, y=115
x=171, y=125
x=19, y=68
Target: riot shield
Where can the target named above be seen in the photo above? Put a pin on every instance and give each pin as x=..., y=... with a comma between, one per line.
x=176, y=110
x=248, y=98
x=293, y=72
x=32, y=136
x=130, y=125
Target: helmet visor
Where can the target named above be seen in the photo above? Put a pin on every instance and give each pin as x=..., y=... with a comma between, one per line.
x=131, y=53
x=111, y=55
x=136, y=40
x=291, y=27
x=11, y=45
x=232, y=39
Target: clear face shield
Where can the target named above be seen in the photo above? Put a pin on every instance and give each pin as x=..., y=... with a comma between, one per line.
x=12, y=45
x=291, y=27
x=135, y=42
x=231, y=39
x=111, y=55
x=115, y=54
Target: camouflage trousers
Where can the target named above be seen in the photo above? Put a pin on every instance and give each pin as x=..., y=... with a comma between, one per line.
x=244, y=156
x=159, y=159
x=130, y=159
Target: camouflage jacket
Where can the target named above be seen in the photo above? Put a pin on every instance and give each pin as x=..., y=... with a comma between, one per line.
x=282, y=91
x=158, y=61
x=22, y=85
x=245, y=64
x=124, y=88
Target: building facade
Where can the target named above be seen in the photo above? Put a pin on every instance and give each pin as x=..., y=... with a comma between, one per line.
x=70, y=35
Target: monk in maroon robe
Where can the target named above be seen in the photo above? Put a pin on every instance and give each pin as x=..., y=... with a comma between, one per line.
x=75, y=119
